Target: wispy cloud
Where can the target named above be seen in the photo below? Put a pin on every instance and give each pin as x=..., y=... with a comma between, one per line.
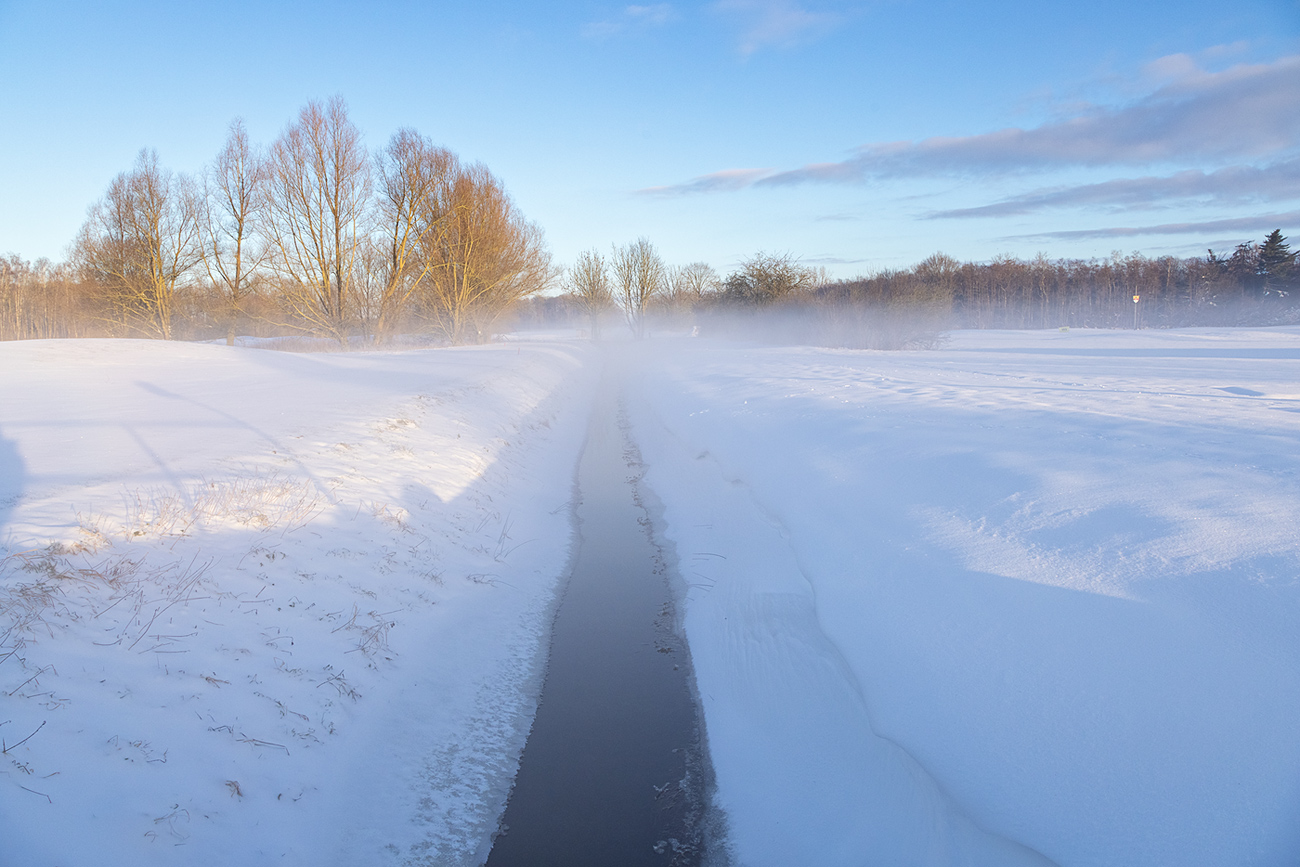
x=1263, y=223
x=1245, y=112
x=1242, y=112
x=728, y=179
x=1233, y=185
x=632, y=18
x=832, y=260
x=779, y=23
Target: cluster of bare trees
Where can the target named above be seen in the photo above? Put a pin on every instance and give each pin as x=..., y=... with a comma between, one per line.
x=312, y=234
x=40, y=300
x=1255, y=286
x=768, y=296
x=1244, y=289
x=635, y=280
x=774, y=297
x=139, y=242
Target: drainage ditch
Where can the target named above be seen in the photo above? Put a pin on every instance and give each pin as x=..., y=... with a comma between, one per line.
x=614, y=771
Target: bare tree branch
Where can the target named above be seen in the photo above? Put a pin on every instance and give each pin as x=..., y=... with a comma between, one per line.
x=318, y=194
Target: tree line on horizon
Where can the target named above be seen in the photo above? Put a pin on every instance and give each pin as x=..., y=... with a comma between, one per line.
x=310, y=235
x=313, y=235
x=773, y=297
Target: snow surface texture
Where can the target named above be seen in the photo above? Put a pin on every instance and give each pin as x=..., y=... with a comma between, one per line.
x=1033, y=587
x=1031, y=596
x=271, y=608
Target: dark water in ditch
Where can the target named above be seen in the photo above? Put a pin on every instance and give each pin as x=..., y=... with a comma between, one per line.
x=613, y=773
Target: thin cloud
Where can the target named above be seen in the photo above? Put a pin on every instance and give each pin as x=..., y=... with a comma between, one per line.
x=780, y=23
x=832, y=260
x=723, y=181
x=1241, y=46
x=1263, y=223
x=1233, y=185
x=1245, y=111
x=660, y=13
x=632, y=18
x=1176, y=66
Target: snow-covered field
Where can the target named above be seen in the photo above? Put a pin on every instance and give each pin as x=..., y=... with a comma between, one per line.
x=265, y=608
x=1046, y=585
x=1030, y=597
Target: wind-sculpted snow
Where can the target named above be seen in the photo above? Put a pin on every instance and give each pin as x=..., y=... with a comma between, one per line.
x=1028, y=598
x=1031, y=587
x=268, y=608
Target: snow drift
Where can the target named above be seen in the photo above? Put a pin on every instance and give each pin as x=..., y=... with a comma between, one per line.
x=1028, y=598
x=265, y=607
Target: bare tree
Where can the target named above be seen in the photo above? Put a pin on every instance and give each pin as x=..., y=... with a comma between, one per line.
x=671, y=298
x=40, y=299
x=413, y=177
x=639, y=275
x=483, y=257
x=765, y=278
x=588, y=282
x=938, y=277
x=14, y=318
x=232, y=206
x=318, y=193
x=684, y=290
x=139, y=241
x=697, y=281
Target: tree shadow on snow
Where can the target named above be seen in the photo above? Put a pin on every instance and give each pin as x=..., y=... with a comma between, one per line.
x=12, y=474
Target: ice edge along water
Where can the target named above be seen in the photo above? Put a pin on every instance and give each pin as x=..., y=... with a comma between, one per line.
x=1060, y=580
x=754, y=624
x=326, y=693
x=614, y=770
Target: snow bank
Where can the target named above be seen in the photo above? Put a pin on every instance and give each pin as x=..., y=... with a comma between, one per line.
x=1030, y=598
x=259, y=606
x=1036, y=587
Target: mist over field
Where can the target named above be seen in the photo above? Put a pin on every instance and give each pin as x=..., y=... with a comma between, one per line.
x=748, y=433
x=1017, y=598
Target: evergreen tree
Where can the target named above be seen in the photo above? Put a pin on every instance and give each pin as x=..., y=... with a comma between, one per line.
x=1243, y=264
x=1275, y=260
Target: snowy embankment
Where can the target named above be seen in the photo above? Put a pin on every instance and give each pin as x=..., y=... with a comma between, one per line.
x=1032, y=587
x=269, y=608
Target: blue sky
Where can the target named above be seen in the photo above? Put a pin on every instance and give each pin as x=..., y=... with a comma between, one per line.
x=854, y=135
